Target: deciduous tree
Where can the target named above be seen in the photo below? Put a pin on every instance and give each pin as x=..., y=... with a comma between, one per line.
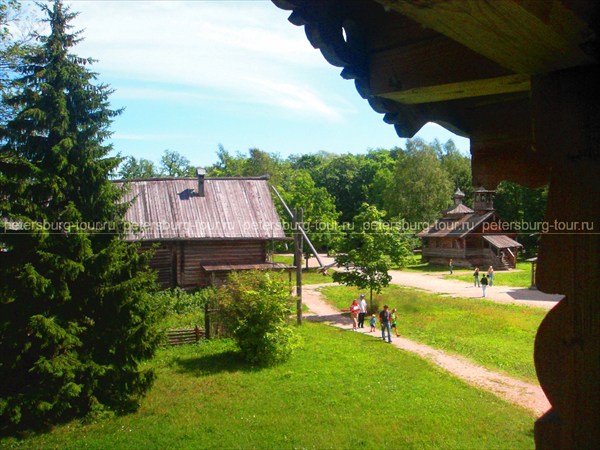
x=370, y=248
x=132, y=168
x=419, y=188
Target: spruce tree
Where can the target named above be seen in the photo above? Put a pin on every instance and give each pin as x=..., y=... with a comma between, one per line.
x=75, y=317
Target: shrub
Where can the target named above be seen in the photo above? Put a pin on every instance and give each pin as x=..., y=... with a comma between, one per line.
x=255, y=308
x=181, y=309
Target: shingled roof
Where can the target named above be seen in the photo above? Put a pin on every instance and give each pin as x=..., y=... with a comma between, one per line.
x=230, y=208
x=455, y=225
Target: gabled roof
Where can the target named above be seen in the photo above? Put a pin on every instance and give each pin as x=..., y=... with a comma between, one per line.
x=454, y=225
x=231, y=208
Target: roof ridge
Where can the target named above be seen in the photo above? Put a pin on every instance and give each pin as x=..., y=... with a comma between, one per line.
x=262, y=177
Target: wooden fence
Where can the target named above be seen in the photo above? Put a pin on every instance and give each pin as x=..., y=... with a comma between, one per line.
x=188, y=336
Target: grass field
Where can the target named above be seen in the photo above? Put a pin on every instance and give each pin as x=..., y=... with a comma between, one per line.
x=521, y=277
x=342, y=390
x=497, y=336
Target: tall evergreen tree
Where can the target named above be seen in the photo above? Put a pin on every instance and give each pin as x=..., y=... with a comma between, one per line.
x=75, y=321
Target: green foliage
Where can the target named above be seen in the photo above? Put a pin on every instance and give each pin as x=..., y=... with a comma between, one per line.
x=255, y=308
x=256, y=164
x=75, y=320
x=369, y=250
x=319, y=214
x=181, y=309
x=523, y=206
x=458, y=168
x=173, y=164
x=419, y=188
x=132, y=168
x=12, y=50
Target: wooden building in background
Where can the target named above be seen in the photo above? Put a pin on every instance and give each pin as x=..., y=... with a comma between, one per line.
x=203, y=228
x=471, y=237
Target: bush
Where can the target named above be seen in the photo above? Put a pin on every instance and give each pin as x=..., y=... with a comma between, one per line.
x=181, y=309
x=255, y=308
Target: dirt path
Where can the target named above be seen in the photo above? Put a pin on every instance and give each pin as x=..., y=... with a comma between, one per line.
x=517, y=392
x=435, y=282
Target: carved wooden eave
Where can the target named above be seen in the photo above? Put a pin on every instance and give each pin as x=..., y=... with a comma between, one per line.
x=464, y=64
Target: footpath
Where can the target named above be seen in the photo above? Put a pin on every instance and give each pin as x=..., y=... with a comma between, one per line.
x=527, y=395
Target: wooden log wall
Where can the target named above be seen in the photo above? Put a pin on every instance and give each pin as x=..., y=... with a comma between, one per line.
x=180, y=263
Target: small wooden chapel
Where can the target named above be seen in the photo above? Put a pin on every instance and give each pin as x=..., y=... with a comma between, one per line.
x=470, y=237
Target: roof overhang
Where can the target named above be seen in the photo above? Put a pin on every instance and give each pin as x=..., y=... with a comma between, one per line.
x=469, y=66
x=501, y=241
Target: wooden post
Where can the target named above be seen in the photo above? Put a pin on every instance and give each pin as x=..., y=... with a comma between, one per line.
x=567, y=345
x=298, y=213
x=206, y=321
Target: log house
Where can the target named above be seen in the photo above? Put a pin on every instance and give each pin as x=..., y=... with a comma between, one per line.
x=203, y=228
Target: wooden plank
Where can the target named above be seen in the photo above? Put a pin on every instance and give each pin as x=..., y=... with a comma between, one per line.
x=428, y=63
x=465, y=89
x=525, y=37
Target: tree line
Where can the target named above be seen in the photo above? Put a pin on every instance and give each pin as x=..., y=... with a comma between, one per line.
x=412, y=186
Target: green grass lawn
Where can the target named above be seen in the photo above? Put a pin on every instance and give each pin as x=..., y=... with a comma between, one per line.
x=521, y=277
x=342, y=390
x=497, y=336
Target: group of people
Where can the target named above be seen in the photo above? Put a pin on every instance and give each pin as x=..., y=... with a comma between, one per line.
x=358, y=311
x=485, y=280
x=387, y=318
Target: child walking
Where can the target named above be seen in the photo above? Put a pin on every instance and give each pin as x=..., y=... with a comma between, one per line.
x=373, y=322
x=393, y=319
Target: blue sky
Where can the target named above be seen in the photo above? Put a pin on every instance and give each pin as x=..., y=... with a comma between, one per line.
x=195, y=74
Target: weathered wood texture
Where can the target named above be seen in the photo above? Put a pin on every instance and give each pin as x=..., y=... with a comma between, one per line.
x=231, y=208
x=180, y=263
x=567, y=348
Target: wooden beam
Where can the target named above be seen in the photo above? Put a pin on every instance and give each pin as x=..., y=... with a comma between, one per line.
x=466, y=89
x=523, y=36
x=438, y=69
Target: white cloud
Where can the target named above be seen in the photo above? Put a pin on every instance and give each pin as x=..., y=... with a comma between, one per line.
x=239, y=51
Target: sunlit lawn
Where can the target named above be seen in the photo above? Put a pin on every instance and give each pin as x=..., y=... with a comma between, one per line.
x=498, y=336
x=342, y=390
x=519, y=277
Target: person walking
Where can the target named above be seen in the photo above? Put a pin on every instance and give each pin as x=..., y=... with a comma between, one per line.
x=354, y=310
x=384, y=319
x=450, y=265
x=491, y=275
x=393, y=318
x=362, y=303
x=484, y=283
x=476, y=277
x=372, y=322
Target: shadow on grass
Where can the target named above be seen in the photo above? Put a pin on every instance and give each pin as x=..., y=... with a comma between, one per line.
x=227, y=361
